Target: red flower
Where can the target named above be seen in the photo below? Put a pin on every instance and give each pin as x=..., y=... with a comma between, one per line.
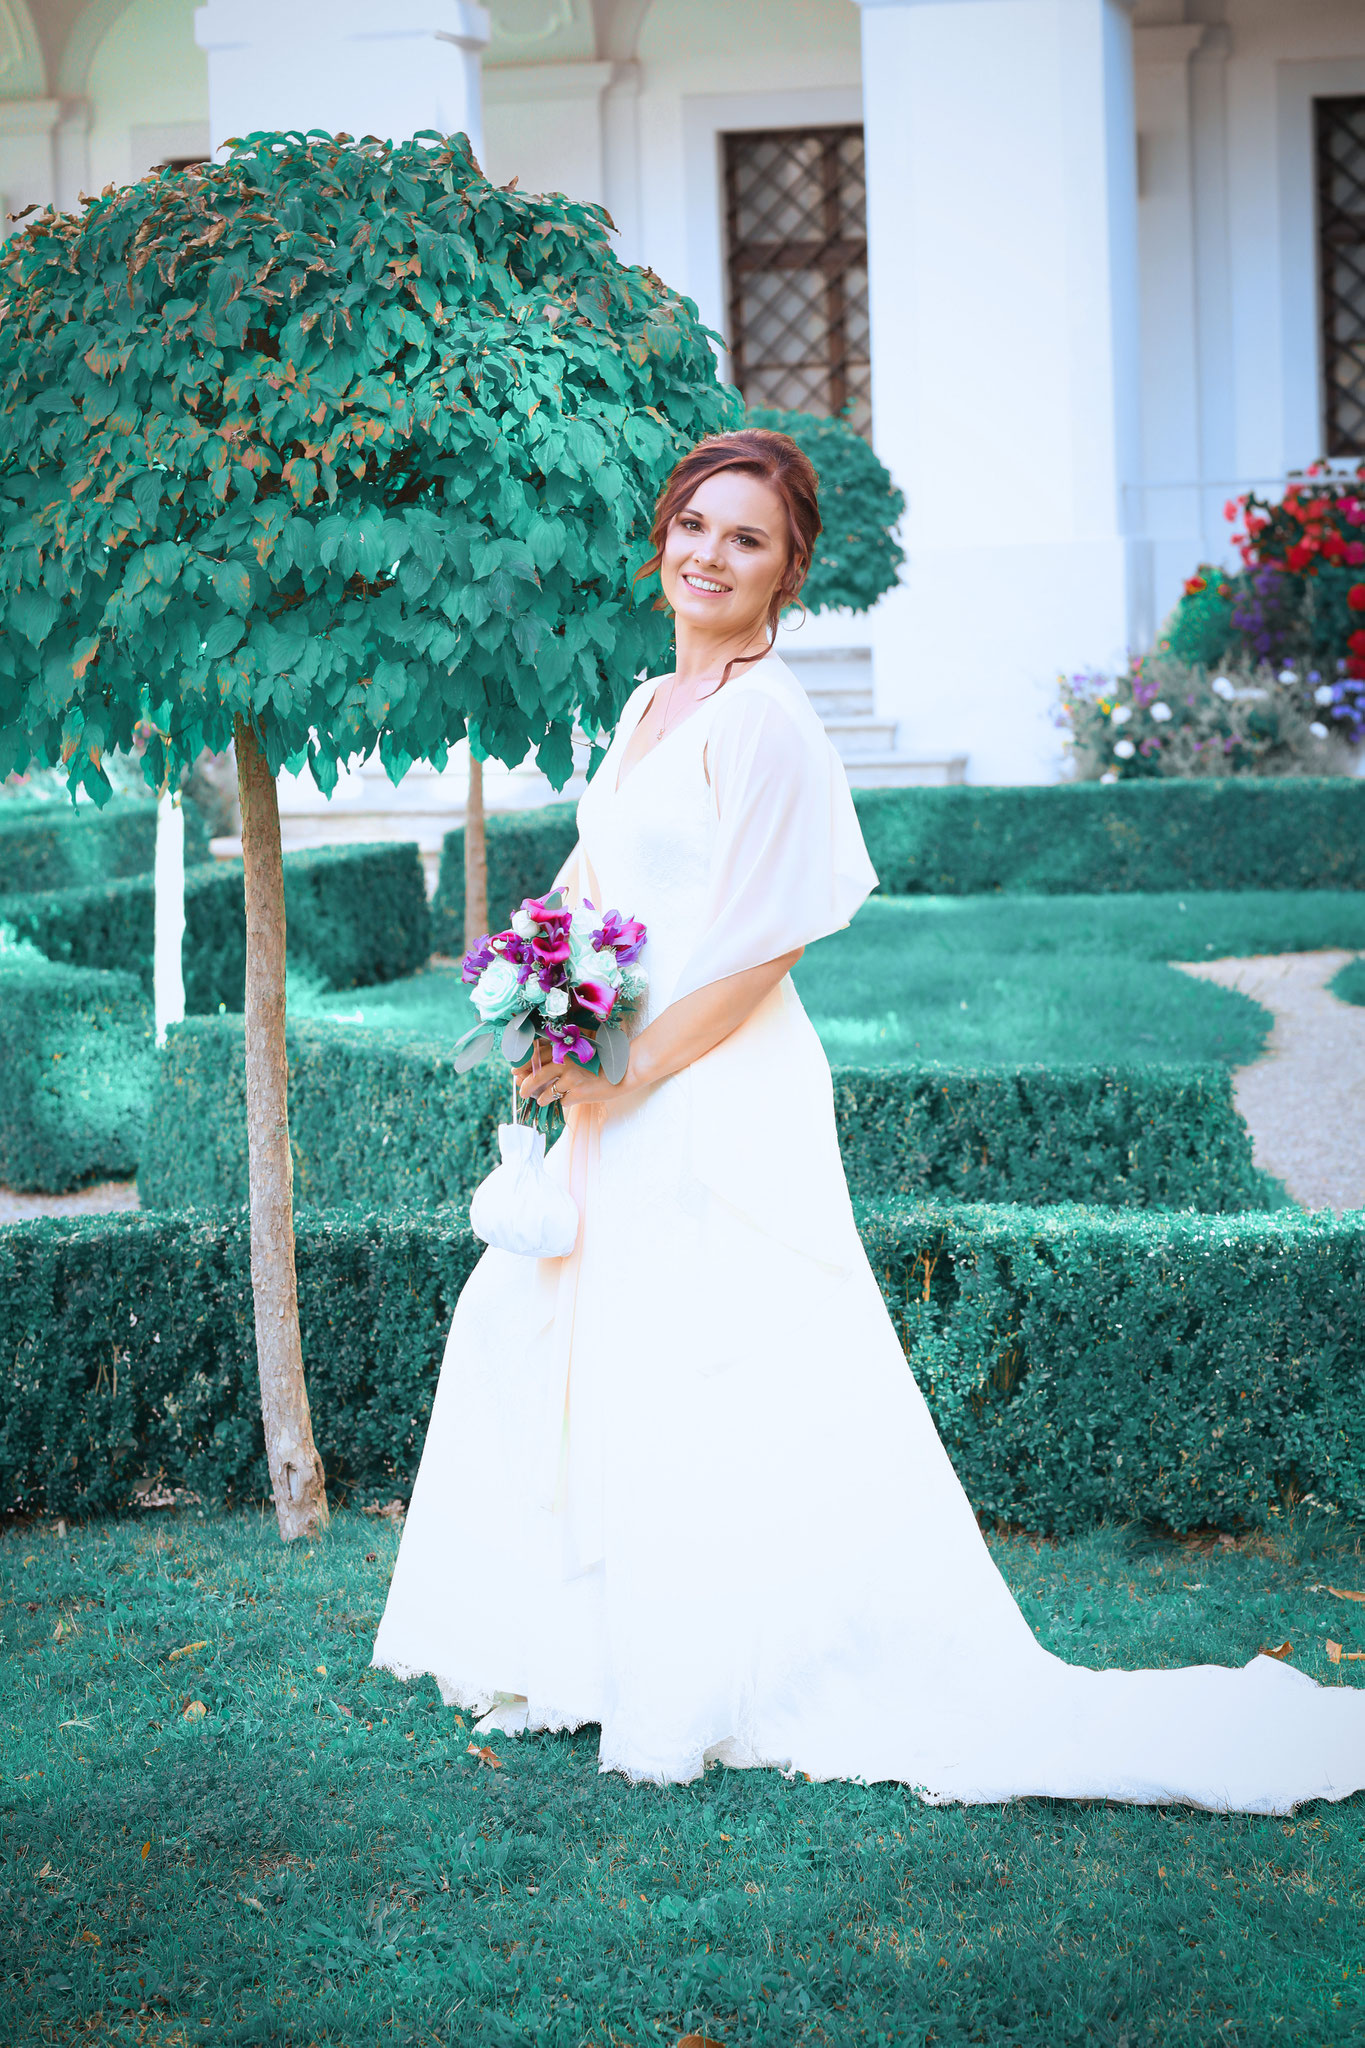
x=1354, y=552
x=1194, y=584
x=1355, y=597
x=1356, y=643
x=1355, y=665
x=1299, y=556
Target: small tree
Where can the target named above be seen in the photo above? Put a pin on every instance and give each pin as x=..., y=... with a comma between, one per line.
x=858, y=557
x=327, y=447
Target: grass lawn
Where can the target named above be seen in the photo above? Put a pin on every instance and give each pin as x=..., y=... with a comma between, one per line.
x=995, y=979
x=317, y=1857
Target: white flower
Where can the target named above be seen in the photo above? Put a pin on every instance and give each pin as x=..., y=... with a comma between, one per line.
x=556, y=1002
x=1120, y=714
x=1224, y=689
x=1323, y=694
x=1124, y=749
x=1287, y=675
x=524, y=925
x=1109, y=775
x=497, y=993
x=1318, y=729
x=585, y=963
x=1160, y=712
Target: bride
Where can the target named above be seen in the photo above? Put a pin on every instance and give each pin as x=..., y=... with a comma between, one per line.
x=712, y=1512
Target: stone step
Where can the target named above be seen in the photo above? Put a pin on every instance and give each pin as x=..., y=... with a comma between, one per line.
x=901, y=771
x=851, y=700
x=862, y=738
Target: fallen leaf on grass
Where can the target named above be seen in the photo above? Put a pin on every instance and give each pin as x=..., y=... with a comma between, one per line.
x=1283, y=1651
x=1342, y=1593
x=146, y=1850
x=195, y=1711
x=1335, y=1653
x=371, y=1557
x=485, y=1756
x=392, y=1510
x=696, y=2041
x=187, y=1650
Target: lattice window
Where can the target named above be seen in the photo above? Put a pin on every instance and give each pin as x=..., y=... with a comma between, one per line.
x=796, y=211
x=1340, y=139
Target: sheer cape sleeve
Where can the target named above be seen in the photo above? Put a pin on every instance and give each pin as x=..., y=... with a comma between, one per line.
x=788, y=865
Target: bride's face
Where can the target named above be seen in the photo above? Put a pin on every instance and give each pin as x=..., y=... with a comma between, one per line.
x=725, y=554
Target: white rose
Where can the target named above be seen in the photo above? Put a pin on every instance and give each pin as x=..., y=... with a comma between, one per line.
x=1109, y=775
x=1287, y=675
x=556, y=1002
x=1160, y=712
x=1223, y=688
x=497, y=993
x=1120, y=714
x=1124, y=749
x=1323, y=694
x=585, y=963
x=524, y=925
x=1318, y=729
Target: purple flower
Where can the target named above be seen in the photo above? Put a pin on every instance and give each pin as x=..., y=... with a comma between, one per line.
x=567, y=1039
x=597, y=996
x=477, y=959
x=625, y=936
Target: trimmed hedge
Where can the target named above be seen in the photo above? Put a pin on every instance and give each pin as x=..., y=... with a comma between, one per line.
x=526, y=850
x=376, y=1122
x=77, y=1063
x=355, y=915
x=53, y=844
x=1188, y=1370
x=373, y=1125
x=1083, y=839
x=1088, y=838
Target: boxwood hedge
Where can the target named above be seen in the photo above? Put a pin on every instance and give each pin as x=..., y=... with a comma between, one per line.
x=1190, y=1370
x=77, y=1064
x=526, y=850
x=355, y=915
x=376, y=1121
x=53, y=844
x=1084, y=838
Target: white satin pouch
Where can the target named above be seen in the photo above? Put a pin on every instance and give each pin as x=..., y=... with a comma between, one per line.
x=519, y=1208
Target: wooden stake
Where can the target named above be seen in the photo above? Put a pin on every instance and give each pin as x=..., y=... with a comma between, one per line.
x=475, y=858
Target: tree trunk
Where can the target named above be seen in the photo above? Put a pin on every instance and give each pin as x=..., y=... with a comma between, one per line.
x=475, y=858
x=295, y=1467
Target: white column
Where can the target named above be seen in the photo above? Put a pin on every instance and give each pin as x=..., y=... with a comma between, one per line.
x=1002, y=216
x=368, y=67
x=168, y=875
x=26, y=179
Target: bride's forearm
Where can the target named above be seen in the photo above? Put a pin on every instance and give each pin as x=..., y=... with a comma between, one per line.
x=689, y=1029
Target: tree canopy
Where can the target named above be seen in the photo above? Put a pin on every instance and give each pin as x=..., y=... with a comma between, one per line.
x=858, y=557
x=340, y=439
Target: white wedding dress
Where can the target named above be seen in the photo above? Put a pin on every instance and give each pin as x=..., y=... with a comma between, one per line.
x=681, y=1483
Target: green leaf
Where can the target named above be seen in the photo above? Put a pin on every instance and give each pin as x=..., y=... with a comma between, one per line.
x=473, y=1048
x=232, y=585
x=613, y=1050
x=222, y=636
x=34, y=614
x=518, y=1038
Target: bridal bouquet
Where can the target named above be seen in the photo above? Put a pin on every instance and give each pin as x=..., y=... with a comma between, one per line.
x=569, y=977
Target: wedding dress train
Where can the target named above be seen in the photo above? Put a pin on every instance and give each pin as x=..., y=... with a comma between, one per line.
x=681, y=1483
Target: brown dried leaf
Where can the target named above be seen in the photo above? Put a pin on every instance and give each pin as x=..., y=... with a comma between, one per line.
x=195, y=1711
x=697, y=2041
x=1333, y=1652
x=1283, y=1651
x=1342, y=1594
x=485, y=1756
x=187, y=1650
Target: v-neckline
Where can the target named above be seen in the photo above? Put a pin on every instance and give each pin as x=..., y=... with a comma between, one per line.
x=622, y=780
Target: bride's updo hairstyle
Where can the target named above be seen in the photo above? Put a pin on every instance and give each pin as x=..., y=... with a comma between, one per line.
x=777, y=460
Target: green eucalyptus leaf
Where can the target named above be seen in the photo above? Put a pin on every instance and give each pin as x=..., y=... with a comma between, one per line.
x=613, y=1051
x=473, y=1049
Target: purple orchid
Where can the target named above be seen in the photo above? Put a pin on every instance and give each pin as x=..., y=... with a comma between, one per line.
x=476, y=959
x=566, y=1040
x=624, y=936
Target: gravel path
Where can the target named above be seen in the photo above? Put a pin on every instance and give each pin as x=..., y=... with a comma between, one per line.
x=1304, y=1099
x=95, y=1201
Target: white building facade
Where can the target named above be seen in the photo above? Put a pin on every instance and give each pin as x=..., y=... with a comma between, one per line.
x=1083, y=270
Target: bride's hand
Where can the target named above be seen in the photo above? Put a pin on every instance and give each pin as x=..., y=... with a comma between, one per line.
x=568, y=1084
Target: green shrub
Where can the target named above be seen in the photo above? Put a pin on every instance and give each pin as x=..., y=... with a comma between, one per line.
x=77, y=1065
x=857, y=557
x=1193, y=1371
x=354, y=914
x=1091, y=838
x=54, y=844
x=376, y=1122
x=372, y=1125
x=1082, y=1364
x=1349, y=985
x=526, y=850
x=1158, y=1137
